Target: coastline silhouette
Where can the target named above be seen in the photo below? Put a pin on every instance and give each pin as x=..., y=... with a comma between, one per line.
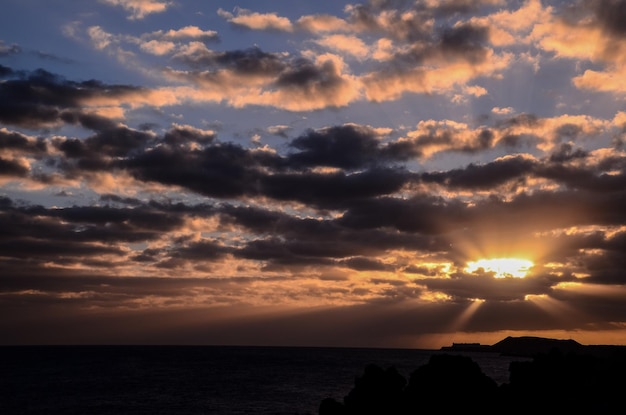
x=563, y=375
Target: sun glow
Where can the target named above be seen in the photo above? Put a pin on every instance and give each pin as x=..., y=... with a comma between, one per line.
x=502, y=267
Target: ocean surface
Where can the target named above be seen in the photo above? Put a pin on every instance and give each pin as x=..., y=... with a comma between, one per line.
x=215, y=380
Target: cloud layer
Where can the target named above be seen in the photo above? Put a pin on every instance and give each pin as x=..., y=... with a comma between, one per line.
x=334, y=231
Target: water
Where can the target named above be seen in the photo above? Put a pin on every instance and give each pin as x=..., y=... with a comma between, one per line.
x=215, y=380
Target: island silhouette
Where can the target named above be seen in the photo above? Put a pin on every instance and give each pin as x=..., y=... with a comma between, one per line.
x=557, y=376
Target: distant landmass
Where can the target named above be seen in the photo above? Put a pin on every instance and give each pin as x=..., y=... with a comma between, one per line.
x=529, y=346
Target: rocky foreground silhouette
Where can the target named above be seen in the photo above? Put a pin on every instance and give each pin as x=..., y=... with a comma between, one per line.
x=562, y=376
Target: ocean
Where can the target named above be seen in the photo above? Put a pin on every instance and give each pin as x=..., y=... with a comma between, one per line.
x=186, y=380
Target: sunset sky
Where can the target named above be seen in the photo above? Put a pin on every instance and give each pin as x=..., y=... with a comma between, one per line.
x=381, y=174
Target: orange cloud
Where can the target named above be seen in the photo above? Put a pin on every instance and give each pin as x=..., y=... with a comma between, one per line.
x=350, y=45
x=158, y=47
x=438, y=75
x=510, y=27
x=322, y=24
x=591, y=38
x=140, y=8
x=257, y=21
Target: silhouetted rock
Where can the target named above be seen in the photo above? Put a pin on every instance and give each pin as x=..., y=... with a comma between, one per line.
x=563, y=376
x=566, y=382
x=445, y=383
x=378, y=391
x=449, y=383
x=330, y=406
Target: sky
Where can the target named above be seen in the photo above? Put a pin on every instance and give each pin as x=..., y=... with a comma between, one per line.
x=312, y=173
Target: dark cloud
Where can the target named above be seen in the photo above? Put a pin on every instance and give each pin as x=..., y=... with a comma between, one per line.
x=85, y=224
x=568, y=132
x=566, y=152
x=220, y=170
x=45, y=251
x=443, y=139
x=334, y=190
x=180, y=136
x=520, y=120
x=611, y=15
x=12, y=168
x=313, y=79
x=451, y=7
x=11, y=140
x=247, y=62
x=229, y=170
x=425, y=214
x=585, y=178
x=348, y=147
x=42, y=241
x=396, y=25
x=276, y=251
x=467, y=41
x=101, y=151
x=90, y=121
x=340, y=241
x=133, y=218
x=5, y=71
x=604, y=266
x=38, y=98
x=485, y=176
x=250, y=62
x=505, y=289
x=120, y=199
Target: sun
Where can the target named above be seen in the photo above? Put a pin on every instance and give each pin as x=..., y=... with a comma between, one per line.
x=502, y=267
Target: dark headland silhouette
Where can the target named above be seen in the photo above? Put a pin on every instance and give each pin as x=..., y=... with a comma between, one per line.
x=556, y=376
x=530, y=346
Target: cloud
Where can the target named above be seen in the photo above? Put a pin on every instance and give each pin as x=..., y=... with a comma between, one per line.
x=188, y=32
x=169, y=42
x=486, y=176
x=254, y=77
x=502, y=111
x=420, y=58
x=41, y=98
x=251, y=62
x=12, y=141
x=322, y=23
x=351, y=45
x=593, y=32
x=6, y=50
x=604, y=81
x=158, y=47
x=279, y=130
x=456, y=58
x=510, y=27
x=257, y=21
x=315, y=199
x=139, y=9
x=347, y=147
x=405, y=25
